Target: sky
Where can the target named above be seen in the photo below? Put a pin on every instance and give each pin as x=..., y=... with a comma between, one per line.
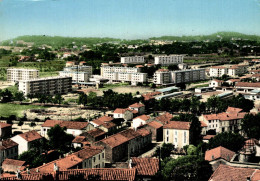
x=127, y=19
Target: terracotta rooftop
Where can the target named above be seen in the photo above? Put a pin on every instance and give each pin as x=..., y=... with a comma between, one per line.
x=233, y=80
x=155, y=124
x=79, y=139
x=208, y=137
x=203, y=124
x=218, y=67
x=177, y=125
x=145, y=166
x=8, y=143
x=4, y=125
x=108, y=125
x=31, y=136
x=96, y=132
x=165, y=118
x=162, y=70
x=248, y=84
x=115, y=140
x=219, y=152
x=143, y=117
x=67, y=124
x=102, y=120
x=230, y=173
x=233, y=110
x=129, y=134
x=136, y=105
x=8, y=161
x=120, y=111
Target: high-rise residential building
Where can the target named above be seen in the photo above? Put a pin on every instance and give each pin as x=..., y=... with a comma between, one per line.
x=16, y=74
x=47, y=85
x=79, y=74
x=134, y=59
x=168, y=60
x=164, y=76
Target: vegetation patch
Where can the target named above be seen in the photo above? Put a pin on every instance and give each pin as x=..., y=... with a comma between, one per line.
x=7, y=109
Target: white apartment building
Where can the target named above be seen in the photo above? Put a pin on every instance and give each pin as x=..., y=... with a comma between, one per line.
x=105, y=69
x=164, y=76
x=47, y=85
x=16, y=74
x=217, y=71
x=233, y=70
x=135, y=59
x=87, y=69
x=168, y=60
x=77, y=77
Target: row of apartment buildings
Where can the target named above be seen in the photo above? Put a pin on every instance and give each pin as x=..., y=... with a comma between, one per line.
x=164, y=76
x=163, y=60
x=232, y=71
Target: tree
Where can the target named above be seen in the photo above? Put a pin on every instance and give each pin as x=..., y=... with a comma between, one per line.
x=30, y=96
x=190, y=167
x=19, y=96
x=32, y=124
x=164, y=151
x=83, y=99
x=21, y=124
x=229, y=140
x=251, y=125
x=7, y=96
x=58, y=99
x=59, y=139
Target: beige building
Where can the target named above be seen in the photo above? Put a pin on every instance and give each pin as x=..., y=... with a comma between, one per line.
x=135, y=59
x=177, y=133
x=16, y=74
x=8, y=149
x=168, y=60
x=47, y=85
x=231, y=70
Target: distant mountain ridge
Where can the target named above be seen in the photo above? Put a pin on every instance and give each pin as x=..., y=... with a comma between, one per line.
x=79, y=41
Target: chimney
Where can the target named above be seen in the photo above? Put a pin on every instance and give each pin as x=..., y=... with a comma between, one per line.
x=130, y=163
x=27, y=170
x=37, y=170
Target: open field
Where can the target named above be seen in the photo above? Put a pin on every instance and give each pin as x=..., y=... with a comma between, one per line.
x=7, y=109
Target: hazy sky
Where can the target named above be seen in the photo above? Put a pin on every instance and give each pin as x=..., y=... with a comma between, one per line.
x=128, y=19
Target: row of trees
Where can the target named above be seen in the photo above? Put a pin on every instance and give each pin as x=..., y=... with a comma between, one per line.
x=8, y=96
x=44, y=98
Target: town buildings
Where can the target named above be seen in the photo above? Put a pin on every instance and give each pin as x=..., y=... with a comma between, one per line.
x=133, y=59
x=232, y=70
x=16, y=74
x=168, y=60
x=164, y=76
x=5, y=130
x=48, y=85
x=8, y=149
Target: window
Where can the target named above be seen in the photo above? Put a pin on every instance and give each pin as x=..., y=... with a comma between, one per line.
x=103, y=155
x=184, y=141
x=94, y=158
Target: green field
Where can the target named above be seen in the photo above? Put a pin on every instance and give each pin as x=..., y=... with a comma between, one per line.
x=111, y=86
x=7, y=109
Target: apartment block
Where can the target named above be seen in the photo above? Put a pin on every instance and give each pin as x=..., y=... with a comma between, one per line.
x=105, y=69
x=47, y=85
x=164, y=76
x=16, y=74
x=86, y=69
x=168, y=60
x=77, y=77
x=233, y=70
x=135, y=59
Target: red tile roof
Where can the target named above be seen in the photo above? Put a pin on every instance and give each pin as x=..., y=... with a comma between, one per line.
x=143, y=117
x=225, y=116
x=217, y=80
x=233, y=110
x=219, y=152
x=102, y=120
x=203, y=124
x=114, y=140
x=218, y=67
x=145, y=166
x=177, y=125
x=136, y=105
x=233, y=80
x=155, y=124
x=208, y=137
x=96, y=132
x=8, y=161
x=162, y=70
x=108, y=125
x=143, y=132
x=67, y=124
x=248, y=84
x=230, y=173
x=165, y=118
x=31, y=136
x=8, y=143
x=4, y=125
x=79, y=139
x=120, y=111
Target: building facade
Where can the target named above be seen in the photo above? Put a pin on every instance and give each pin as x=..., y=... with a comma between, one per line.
x=50, y=85
x=16, y=74
x=135, y=59
x=168, y=60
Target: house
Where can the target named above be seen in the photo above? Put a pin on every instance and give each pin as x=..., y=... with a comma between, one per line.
x=156, y=129
x=206, y=138
x=164, y=118
x=126, y=114
x=88, y=157
x=5, y=130
x=73, y=127
x=101, y=120
x=231, y=173
x=26, y=140
x=177, y=133
x=140, y=120
x=124, y=143
x=225, y=121
x=94, y=135
x=247, y=86
x=215, y=83
x=138, y=107
x=80, y=141
x=8, y=149
x=11, y=165
x=215, y=155
x=108, y=127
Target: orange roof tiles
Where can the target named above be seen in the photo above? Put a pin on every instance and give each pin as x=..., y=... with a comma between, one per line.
x=4, y=125
x=155, y=124
x=145, y=166
x=219, y=152
x=143, y=117
x=143, y=132
x=208, y=137
x=96, y=132
x=120, y=111
x=203, y=124
x=115, y=140
x=102, y=120
x=8, y=143
x=165, y=118
x=67, y=124
x=108, y=125
x=177, y=125
x=137, y=105
x=248, y=84
x=8, y=161
x=217, y=80
x=231, y=173
x=162, y=70
x=233, y=110
x=79, y=139
x=31, y=135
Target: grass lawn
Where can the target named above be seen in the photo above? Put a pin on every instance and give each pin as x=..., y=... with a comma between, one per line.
x=7, y=109
x=111, y=86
